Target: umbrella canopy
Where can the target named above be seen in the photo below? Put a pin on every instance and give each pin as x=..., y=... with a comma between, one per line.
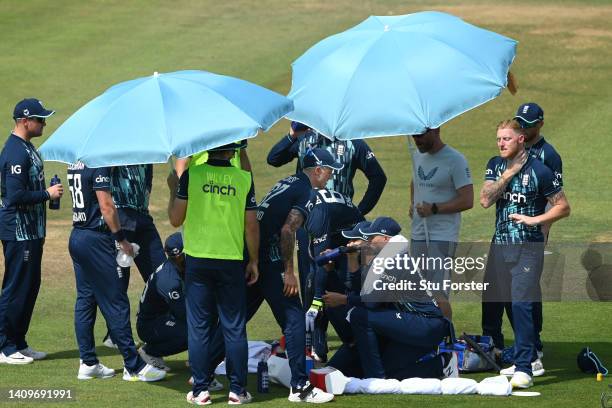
x=398, y=75
x=146, y=120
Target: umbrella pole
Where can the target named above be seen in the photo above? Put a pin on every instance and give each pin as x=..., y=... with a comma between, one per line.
x=412, y=150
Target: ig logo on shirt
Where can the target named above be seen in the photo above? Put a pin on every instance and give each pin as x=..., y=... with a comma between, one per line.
x=16, y=169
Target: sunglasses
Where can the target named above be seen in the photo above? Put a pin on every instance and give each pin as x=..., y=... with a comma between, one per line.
x=525, y=125
x=37, y=119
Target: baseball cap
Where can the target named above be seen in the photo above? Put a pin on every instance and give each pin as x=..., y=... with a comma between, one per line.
x=230, y=146
x=31, y=108
x=298, y=127
x=320, y=157
x=355, y=233
x=528, y=114
x=386, y=226
x=589, y=363
x=174, y=244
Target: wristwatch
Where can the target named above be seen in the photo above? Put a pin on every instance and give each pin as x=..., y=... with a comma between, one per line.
x=434, y=208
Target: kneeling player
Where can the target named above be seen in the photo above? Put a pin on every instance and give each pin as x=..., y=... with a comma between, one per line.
x=406, y=330
x=161, y=321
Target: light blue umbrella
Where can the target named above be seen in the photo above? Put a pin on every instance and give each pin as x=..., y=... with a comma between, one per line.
x=398, y=75
x=146, y=120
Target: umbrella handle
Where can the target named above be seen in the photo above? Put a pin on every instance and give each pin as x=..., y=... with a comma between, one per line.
x=412, y=150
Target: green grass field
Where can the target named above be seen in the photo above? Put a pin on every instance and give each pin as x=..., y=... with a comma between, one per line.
x=67, y=52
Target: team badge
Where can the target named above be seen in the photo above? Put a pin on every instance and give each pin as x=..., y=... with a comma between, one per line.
x=340, y=150
x=525, y=180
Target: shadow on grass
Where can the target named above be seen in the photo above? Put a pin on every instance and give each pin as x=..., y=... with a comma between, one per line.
x=74, y=353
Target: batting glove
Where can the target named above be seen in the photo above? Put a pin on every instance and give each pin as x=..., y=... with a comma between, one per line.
x=312, y=313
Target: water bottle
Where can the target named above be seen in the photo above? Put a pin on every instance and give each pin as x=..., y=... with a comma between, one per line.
x=123, y=259
x=334, y=253
x=263, y=377
x=54, y=204
x=308, y=343
x=327, y=257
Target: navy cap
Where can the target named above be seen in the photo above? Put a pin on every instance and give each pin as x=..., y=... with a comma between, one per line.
x=31, y=108
x=230, y=146
x=355, y=233
x=589, y=363
x=298, y=127
x=320, y=157
x=382, y=226
x=174, y=244
x=528, y=114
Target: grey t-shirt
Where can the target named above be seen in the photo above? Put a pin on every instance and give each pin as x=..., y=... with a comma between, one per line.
x=437, y=179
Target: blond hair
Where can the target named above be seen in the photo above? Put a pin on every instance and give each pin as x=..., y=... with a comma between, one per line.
x=511, y=124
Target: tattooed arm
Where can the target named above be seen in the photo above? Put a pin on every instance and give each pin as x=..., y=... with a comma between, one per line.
x=294, y=220
x=560, y=208
x=493, y=190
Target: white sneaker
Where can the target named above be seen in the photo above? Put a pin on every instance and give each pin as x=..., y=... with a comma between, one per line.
x=214, y=385
x=30, y=352
x=157, y=362
x=537, y=369
x=239, y=399
x=147, y=374
x=451, y=369
x=15, y=358
x=202, y=399
x=521, y=380
x=95, y=371
x=309, y=393
x=108, y=342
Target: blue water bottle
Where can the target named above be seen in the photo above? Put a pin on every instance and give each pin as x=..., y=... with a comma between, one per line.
x=54, y=204
x=308, y=343
x=263, y=377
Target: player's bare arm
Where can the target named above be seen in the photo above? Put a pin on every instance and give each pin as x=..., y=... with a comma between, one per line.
x=111, y=217
x=177, y=208
x=559, y=208
x=251, y=235
x=294, y=220
x=493, y=190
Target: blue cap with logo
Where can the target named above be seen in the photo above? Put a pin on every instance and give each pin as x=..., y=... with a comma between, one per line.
x=320, y=157
x=529, y=114
x=174, y=244
x=355, y=232
x=31, y=108
x=589, y=363
x=386, y=226
x=298, y=127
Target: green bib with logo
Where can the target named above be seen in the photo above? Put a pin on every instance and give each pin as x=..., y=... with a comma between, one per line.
x=214, y=223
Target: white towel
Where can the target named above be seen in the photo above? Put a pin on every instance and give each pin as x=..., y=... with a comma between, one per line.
x=353, y=386
x=279, y=371
x=498, y=385
x=421, y=386
x=258, y=350
x=456, y=386
x=372, y=386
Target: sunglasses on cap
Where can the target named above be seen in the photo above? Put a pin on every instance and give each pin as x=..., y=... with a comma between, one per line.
x=527, y=125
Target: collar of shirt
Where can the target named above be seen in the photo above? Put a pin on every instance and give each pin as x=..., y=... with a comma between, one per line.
x=219, y=163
